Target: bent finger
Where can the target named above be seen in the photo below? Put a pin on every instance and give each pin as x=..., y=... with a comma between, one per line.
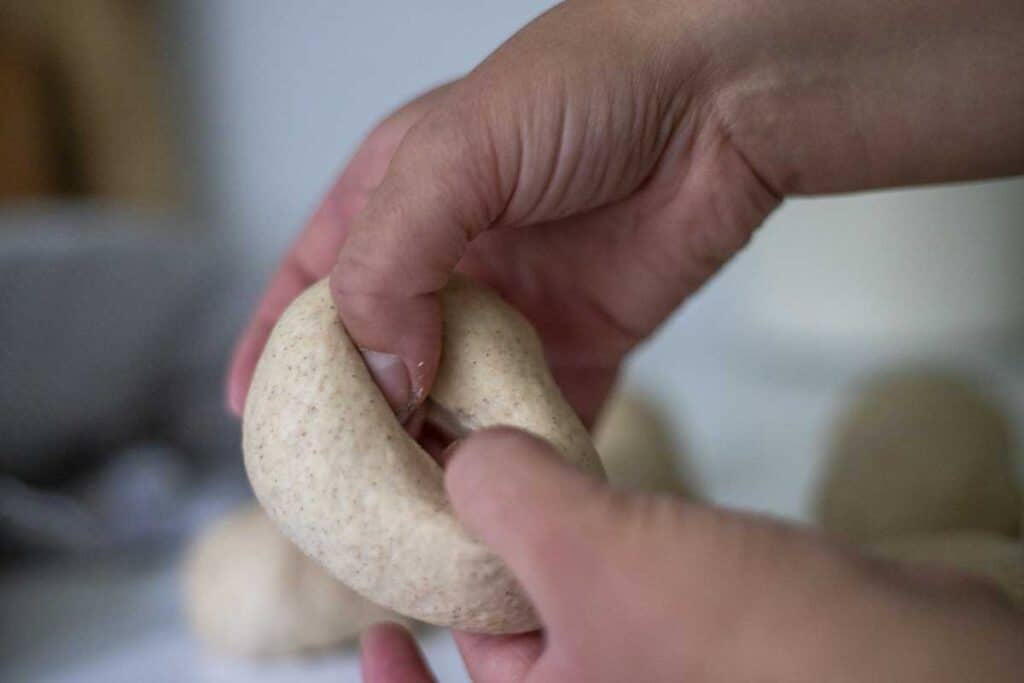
x=389, y=654
x=499, y=659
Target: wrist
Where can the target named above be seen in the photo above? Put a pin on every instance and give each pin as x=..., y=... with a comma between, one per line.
x=855, y=94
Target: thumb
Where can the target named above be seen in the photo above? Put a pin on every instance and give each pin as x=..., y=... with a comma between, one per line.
x=511, y=144
x=440, y=191
x=548, y=521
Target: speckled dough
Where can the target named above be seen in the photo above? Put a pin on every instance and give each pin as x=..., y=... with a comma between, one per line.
x=638, y=449
x=997, y=558
x=250, y=592
x=916, y=453
x=343, y=480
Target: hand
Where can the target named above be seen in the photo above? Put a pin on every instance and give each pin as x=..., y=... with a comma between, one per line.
x=606, y=160
x=641, y=588
x=619, y=188
x=315, y=250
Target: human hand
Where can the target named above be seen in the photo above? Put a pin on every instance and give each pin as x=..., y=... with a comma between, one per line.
x=607, y=159
x=599, y=154
x=315, y=250
x=642, y=588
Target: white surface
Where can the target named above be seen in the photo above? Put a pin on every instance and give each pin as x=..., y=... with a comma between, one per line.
x=898, y=268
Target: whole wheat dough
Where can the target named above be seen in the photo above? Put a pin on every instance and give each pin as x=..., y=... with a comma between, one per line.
x=917, y=453
x=340, y=476
x=996, y=558
x=637, y=447
x=250, y=592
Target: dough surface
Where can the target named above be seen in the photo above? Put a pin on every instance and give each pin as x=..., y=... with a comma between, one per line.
x=340, y=476
x=637, y=447
x=250, y=592
x=917, y=453
x=996, y=558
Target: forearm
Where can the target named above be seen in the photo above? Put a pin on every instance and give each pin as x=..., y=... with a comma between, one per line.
x=839, y=96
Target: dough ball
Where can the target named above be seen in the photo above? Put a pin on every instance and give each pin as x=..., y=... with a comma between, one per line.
x=996, y=558
x=346, y=483
x=249, y=592
x=635, y=442
x=917, y=453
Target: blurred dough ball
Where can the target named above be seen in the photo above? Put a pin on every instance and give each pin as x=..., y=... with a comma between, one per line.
x=999, y=559
x=249, y=592
x=917, y=453
x=637, y=447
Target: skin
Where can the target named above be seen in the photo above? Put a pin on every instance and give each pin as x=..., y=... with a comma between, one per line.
x=646, y=588
x=597, y=169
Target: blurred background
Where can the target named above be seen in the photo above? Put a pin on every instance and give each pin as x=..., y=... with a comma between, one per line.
x=155, y=160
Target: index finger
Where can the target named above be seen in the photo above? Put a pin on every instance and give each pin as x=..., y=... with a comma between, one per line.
x=499, y=659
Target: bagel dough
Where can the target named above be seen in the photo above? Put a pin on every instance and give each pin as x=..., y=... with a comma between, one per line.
x=918, y=453
x=987, y=555
x=250, y=592
x=637, y=447
x=340, y=476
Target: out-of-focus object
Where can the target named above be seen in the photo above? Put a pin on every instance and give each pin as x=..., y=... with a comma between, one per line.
x=250, y=592
x=919, y=452
x=116, y=327
x=892, y=272
x=140, y=493
x=85, y=101
x=637, y=448
x=28, y=141
x=996, y=558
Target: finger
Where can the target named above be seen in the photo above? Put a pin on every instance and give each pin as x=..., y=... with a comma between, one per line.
x=402, y=249
x=316, y=249
x=508, y=147
x=309, y=260
x=291, y=279
x=390, y=655
x=548, y=521
x=499, y=659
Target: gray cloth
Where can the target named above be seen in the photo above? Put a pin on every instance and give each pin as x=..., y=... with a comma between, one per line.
x=115, y=331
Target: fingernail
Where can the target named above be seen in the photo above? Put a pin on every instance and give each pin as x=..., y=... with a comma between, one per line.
x=389, y=372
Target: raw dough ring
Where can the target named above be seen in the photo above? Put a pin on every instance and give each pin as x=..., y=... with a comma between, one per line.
x=333, y=467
